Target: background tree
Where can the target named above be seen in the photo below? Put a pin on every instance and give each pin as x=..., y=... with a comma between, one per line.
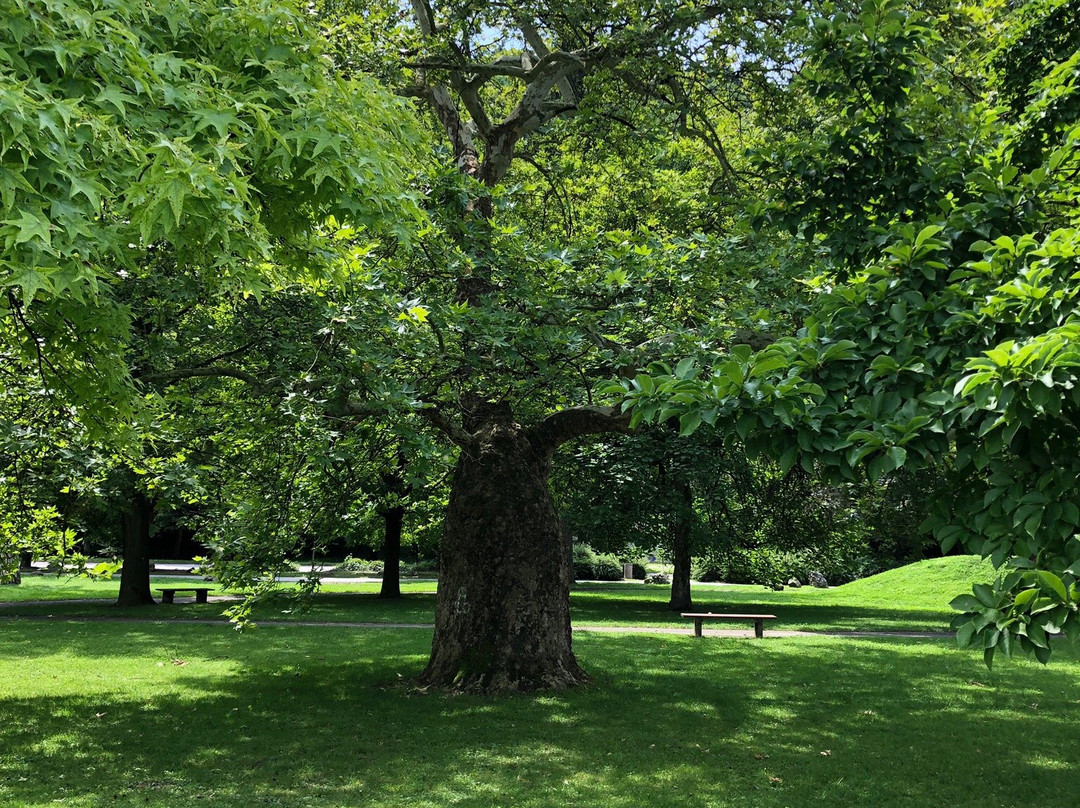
x=179, y=147
x=957, y=342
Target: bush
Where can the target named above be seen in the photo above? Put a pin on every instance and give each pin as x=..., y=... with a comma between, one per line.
x=840, y=563
x=423, y=567
x=708, y=570
x=592, y=566
x=607, y=568
x=361, y=565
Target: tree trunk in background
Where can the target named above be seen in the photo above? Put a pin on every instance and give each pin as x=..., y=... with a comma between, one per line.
x=680, y=550
x=393, y=520
x=502, y=617
x=135, y=531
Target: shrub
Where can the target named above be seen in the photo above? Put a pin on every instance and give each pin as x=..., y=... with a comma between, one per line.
x=362, y=565
x=584, y=562
x=422, y=567
x=839, y=563
x=592, y=566
x=607, y=568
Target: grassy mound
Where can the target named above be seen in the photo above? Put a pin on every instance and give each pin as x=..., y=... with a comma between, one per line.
x=924, y=584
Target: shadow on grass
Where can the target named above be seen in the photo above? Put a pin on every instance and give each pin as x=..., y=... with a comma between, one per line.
x=591, y=607
x=416, y=607
x=286, y=716
x=626, y=605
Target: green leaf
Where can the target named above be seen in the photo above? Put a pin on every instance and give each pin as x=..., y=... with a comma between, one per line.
x=1051, y=582
x=965, y=634
x=31, y=226
x=30, y=281
x=897, y=454
x=985, y=595
x=689, y=422
x=787, y=460
x=927, y=232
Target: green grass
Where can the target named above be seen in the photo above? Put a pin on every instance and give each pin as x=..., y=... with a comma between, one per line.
x=54, y=587
x=912, y=598
x=107, y=714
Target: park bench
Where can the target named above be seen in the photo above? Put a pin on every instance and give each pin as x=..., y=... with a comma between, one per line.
x=168, y=593
x=759, y=620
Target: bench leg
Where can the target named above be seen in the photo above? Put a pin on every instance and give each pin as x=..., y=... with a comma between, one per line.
x=697, y=626
x=167, y=597
x=759, y=628
x=201, y=596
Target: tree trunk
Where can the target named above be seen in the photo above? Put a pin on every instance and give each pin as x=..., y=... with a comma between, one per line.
x=680, y=551
x=502, y=618
x=135, y=531
x=393, y=519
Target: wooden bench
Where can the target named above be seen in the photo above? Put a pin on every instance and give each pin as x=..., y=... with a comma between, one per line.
x=201, y=592
x=759, y=620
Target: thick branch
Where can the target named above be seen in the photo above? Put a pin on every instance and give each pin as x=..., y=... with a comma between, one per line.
x=451, y=430
x=438, y=96
x=576, y=422
x=484, y=70
x=536, y=42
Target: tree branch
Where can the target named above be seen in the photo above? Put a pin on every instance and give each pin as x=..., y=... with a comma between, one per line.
x=455, y=433
x=576, y=422
x=536, y=42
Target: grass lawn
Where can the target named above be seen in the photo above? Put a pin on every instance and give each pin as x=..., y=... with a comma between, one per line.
x=913, y=598
x=108, y=714
x=53, y=587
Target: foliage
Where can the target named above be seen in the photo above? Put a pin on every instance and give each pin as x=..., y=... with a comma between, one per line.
x=840, y=562
x=889, y=125
x=351, y=564
x=184, y=133
x=588, y=565
x=957, y=341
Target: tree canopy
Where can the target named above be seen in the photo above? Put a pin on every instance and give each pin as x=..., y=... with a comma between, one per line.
x=140, y=140
x=844, y=235
x=954, y=341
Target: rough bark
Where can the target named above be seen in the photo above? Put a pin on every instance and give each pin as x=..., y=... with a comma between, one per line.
x=393, y=520
x=135, y=532
x=502, y=617
x=680, y=551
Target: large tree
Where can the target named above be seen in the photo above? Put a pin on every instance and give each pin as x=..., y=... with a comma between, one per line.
x=513, y=328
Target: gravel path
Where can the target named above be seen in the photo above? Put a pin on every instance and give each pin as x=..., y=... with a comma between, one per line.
x=708, y=632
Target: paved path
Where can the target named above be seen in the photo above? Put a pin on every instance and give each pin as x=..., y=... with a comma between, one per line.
x=708, y=632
